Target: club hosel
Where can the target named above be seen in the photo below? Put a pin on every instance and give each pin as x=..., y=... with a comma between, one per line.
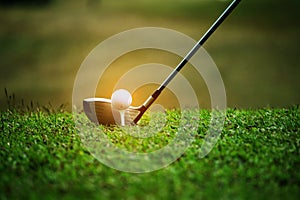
x=147, y=104
x=151, y=99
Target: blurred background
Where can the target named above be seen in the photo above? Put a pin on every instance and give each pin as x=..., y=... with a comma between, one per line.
x=44, y=42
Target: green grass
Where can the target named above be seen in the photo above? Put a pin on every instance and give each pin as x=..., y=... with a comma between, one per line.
x=256, y=157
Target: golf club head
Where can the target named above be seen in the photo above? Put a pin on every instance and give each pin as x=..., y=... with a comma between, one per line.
x=99, y=110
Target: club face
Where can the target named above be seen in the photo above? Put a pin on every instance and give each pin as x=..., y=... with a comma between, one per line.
x=99, y=110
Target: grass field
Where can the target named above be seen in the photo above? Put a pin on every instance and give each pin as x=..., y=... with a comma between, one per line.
x=256, y=157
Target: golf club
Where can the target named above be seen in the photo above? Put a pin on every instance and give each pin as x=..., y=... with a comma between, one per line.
x=100, y=110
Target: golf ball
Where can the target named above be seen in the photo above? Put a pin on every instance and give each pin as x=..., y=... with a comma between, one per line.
x=121, y=99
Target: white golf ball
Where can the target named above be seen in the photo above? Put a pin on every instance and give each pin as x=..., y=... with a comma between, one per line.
x=121, y=99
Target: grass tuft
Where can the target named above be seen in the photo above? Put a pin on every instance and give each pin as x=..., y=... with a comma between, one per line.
x=20, y=106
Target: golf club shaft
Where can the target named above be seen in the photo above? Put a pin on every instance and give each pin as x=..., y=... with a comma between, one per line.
x=210, y=31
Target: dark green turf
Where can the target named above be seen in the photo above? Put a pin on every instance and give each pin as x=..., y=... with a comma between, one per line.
x=257, y=157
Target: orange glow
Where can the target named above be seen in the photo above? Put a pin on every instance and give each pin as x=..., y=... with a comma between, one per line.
x=168, y=99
